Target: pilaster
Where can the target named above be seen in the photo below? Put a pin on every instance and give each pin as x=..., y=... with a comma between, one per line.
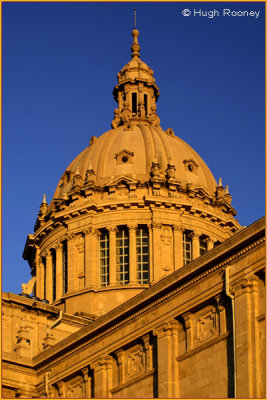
x=247, y=338
x=167, y=345
x=87, y=382
x=189, y=329
x=148, y=353
x=103, y=377
x=121, y=365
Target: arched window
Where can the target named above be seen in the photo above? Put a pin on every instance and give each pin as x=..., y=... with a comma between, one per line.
x=104, y=258
x=187, y=247
x=54, y=274
x=122, y=256
x=134, y=103
x=142, y=255
x=203, y=246
x=145, y=101
x=65, y=267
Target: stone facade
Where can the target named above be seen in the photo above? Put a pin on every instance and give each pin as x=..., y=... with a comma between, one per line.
x=144, y=284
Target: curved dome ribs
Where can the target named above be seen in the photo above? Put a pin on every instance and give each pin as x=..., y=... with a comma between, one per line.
x=135, y=187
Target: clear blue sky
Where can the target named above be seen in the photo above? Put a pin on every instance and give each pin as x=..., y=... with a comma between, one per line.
x=60, y=62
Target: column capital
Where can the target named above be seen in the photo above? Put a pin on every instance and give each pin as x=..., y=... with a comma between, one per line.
x=120, y=355
x=132, y=227
x=156, y=226
x=166, y=328
x=194, y=235
x=85, y=373
x=208, y=240
x=112, y=229
x=248, y=284
x=102, y=363
x=188, y=320
x=90, y=231
x=146, y=340
x=47, y=253
x=70, y=236
x=58, y=246
x=178, y=228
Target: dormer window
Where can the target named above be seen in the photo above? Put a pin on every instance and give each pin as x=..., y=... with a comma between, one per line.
x=134, y=103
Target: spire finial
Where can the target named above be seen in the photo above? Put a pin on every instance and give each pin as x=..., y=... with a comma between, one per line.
x=44, y=198
x=135, y=46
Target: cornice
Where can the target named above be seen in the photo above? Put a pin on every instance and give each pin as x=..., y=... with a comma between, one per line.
x=80, y=211
x=210, y=262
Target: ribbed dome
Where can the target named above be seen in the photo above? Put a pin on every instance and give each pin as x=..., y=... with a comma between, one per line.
x=131, y=150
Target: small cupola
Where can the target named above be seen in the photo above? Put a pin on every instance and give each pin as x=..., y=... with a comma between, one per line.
x=136, y=92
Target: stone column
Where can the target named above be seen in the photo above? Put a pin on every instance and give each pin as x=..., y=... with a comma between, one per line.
x=42, y=283
x=112, y=255
x=156, y=230
x=178, y=247
x=59, y=272
x=103, y=378
x=247, y=339
x=195, y=245
x=167, y=344
x=132, y=253
x=90, y=249
x=49, y=277
x=71, y=262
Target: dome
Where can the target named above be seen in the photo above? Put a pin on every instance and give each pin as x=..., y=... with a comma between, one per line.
x=131, y=150
x=136, y=205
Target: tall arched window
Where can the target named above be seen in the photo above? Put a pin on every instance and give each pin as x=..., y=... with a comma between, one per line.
x=187, y=247
x=142, y=255
x=65, y=267
x=122, y=256
x=104, y=258
x=54, y=274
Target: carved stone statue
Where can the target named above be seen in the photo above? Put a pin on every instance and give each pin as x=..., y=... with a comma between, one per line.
x=126, y=113
x=27, y=288
x=117, y=119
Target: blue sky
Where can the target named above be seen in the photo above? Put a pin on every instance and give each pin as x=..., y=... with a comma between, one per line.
x=59, y=67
